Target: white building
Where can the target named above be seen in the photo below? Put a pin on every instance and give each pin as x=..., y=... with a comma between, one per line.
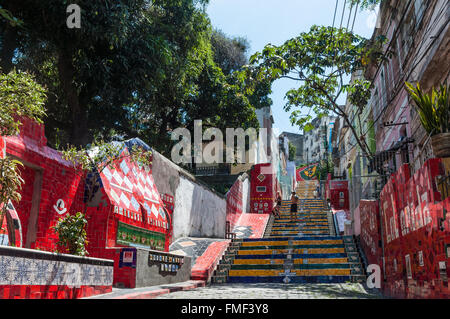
x=318, y=140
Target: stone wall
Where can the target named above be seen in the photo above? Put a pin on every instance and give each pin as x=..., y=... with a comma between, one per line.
x=149, y=272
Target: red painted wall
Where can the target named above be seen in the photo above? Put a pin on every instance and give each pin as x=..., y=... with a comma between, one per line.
x=234, y=203
x=416, y=234
x=370, y=238
x=169, y=203
x=51, y=292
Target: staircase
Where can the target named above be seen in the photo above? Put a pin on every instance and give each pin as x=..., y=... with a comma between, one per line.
x=294, y=251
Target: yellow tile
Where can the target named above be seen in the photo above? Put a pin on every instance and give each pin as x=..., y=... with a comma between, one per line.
x=258, y=261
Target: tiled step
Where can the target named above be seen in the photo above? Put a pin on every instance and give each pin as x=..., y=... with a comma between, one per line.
x=296, y=251
x=292, y=279
x=293, y=246
x=244, y=240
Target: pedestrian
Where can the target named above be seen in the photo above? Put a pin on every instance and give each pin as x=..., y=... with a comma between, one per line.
x=275, y=210
x=278, y=205
x=294, y=201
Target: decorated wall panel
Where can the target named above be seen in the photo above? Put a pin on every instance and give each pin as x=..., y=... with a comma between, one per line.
x=416, y=255
x=262, y=189
x=235, y=203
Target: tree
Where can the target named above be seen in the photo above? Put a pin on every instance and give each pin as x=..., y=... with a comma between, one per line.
x=318, y=60
x=229, y=53
x=134, y=69
x=203, y=91
x=8, y=24
x=95, y=70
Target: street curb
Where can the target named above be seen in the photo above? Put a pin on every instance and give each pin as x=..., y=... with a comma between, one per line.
x=158, y=292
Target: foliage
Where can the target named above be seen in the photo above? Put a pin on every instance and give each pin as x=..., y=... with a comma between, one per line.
x=20, y=96
x=135, y=69
x=10, y=181
x=364, y=4
x=229, y=53
x=72, y=234
x=433, y=108
x=359, y=93
x=292, y=151
x=9, y=18
x=318, y=60
x=10, y=184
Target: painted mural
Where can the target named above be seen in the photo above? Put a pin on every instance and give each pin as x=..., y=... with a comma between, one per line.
x=307, y=173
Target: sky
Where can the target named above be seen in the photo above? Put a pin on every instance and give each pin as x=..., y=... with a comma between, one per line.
x=276, y=21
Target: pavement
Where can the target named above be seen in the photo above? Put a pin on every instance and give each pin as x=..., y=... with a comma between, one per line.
x=149, y=292
x=277, y=291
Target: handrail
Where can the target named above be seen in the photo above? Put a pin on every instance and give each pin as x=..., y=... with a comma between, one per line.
x=336, y=227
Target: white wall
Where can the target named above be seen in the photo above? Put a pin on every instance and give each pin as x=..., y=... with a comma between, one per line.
x=246, y=194
x=198, y=210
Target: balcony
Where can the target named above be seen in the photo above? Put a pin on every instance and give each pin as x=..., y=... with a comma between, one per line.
x=220, y=169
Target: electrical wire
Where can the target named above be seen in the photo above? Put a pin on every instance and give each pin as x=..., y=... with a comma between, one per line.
x=412, y=68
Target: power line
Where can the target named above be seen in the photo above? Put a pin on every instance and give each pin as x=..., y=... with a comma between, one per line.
x=426, y=32
x=404, y=76
x=354, y=18
x=349, y=16
x=398, y=89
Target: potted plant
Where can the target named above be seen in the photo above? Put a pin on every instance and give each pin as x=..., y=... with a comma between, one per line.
x=434, y=113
